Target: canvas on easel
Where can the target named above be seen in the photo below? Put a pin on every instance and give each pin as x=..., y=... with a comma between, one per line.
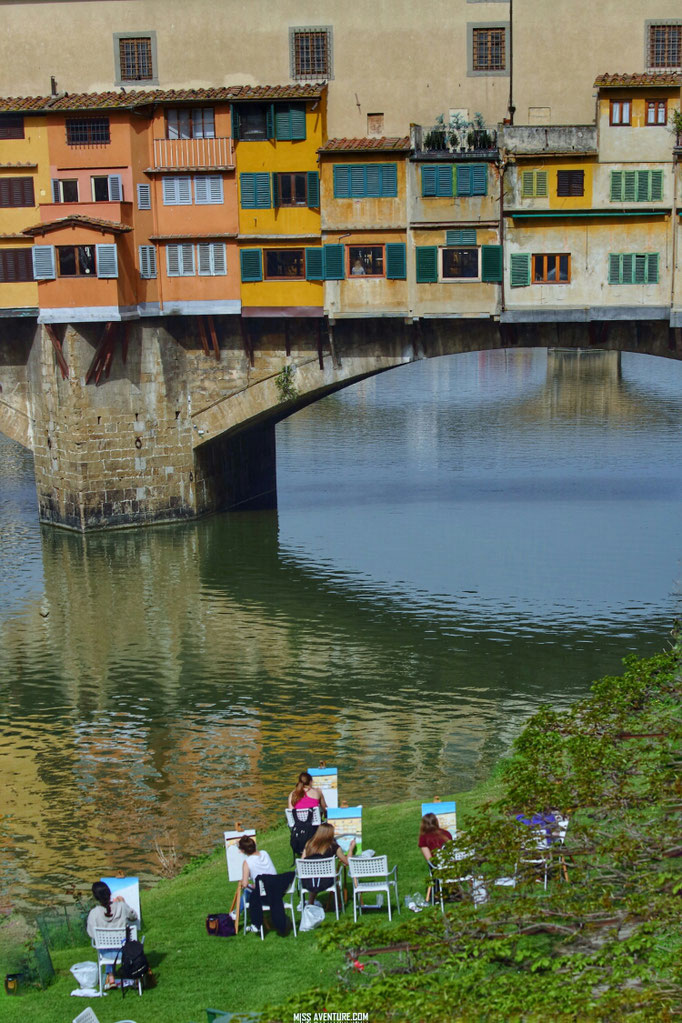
x=235, y=857
x=446, y=812
x=347, y=821
x=127, y=888
x=326, y=779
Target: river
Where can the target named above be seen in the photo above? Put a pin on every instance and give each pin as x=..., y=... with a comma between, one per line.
x=457, y=541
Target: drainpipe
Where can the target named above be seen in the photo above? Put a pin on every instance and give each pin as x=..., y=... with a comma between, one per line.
x=503, y=168
x=511, y=109
x=675, y=228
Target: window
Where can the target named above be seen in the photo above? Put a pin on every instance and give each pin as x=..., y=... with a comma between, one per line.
x=15, y=265
x=11, y=126
x=471, y=179
x=135, y=57
x=147, y=261
x=460, y=264
x=552, y=269
x=311, y=52
x=657, y=111
x=75, y=261
x=570, y=182
x=665, y=45
x=16, y=192
x=180, y=260
x=177, y=190
x=144, y=196
x=287, y=263
x=360, y=181
x=633, y=268
x=487, y=48
x=637, y=186
x=107, y=188
x=87, y=131
x=534, y=184
x=436, y=181
x=255, y=191
x=365, y=261
x=620, y=111
x=64, y=190
x=296, y=189
x=190, y=123
x=208, y=190
x=255, y=122
x=211, y=259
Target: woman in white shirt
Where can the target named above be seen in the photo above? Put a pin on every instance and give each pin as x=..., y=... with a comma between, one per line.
x=257, y=862
x=110, y=912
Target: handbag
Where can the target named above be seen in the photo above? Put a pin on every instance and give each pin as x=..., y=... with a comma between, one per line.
x=221, y=924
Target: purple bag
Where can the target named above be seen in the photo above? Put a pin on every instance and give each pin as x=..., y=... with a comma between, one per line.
x=221, y=924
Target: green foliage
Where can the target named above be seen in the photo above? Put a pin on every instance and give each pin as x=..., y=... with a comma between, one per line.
x=284, y=381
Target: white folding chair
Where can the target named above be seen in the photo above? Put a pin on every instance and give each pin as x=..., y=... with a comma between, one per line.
x=287, y=900
x=371, y=874
x=88, y=1016
x=325, y=871
x=108, y=942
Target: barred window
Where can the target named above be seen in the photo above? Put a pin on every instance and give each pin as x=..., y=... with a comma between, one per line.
x=665, y=46
x=136, y=59
x=87, y=131
x=311, y=53
x=489, y=51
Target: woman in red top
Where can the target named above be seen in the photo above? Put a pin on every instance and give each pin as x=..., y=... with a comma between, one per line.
x=431, y=835
x=305, y=796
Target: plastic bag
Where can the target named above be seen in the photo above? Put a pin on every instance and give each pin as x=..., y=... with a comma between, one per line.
x=416, y=902
x=311, y=917
x=87, y=974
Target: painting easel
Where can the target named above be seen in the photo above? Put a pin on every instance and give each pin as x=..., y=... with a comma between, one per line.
x=235, y=861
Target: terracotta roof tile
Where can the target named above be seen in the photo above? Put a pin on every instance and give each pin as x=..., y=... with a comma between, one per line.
x=78, y=220
x=661, y=79
x=382, y=145
x=129, y=100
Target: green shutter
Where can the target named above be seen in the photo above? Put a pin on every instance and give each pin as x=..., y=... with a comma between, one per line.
x=247, y=188
x=445, y=182
x=614, y=266
x=396, y=261
x=643, y=185
x=640, y=268
x=541, y=184
x=358, y=180
x=283, y=123
x=491, y=263
x=527, y=184
x=234, y=111
x=275, y=191
x=429, y=181
x=616, y=186
x=297, y=122
x=333, y=263
x=629, y=186
x=313, y=265
x=461, y=236
x=519, y=269
x=427, y=264
x=341, y=181
x=436, y=180
x=389, y=180
x=652, y=268
x=479, y=179
x=251, y=264
x=313, y=189
x=373, y=180
x=656, y=185
x=263, y=199
x=628, y=264
x=463, y=173
x=270, y=121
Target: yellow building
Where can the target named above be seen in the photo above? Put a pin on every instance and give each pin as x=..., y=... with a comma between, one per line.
x=24, y=184
x=277, y=132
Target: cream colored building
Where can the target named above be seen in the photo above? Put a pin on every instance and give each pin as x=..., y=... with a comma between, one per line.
x=388, y=62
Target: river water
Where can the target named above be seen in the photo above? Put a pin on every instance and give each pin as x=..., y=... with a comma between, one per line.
x=457, y=541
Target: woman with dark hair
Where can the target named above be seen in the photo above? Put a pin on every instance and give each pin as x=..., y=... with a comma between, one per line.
x=320, y=847
x=305, y=796
x=431, y=835
x=110, y=912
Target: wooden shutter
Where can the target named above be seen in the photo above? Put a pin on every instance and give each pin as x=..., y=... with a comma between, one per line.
x=461, y=236
x=341, y=181
x=616, y=186
x=527, y=184
x=652, y=268
x=389, y=180
x=333, y=262
x=219, y=256
x=270, y=121
x=208, y=190
x=541, y=190
x=177, y=191
x=187, y=259
x=426, y=257
x=144, y=197
x=491, y=263
x=463, y=172
x=313, y=189
x=479, y=179
x=629, y=186
x=251, y=265
x=234, y=117
x=275, y=190
x=643, y=185
x=358, y=180
x=56, y=191
x=201, y=190
x=396, y=261
x=115, y=188
x=373, y=180
x=247, y=188
x=204, y=260
x=519, y=269
x=640, y=268
x=314, y=267
x=16, y=192
x=147, y=261
x=107, y=261
x=297, y=123
x=173, y=260
x=263, y=200
x=656, y=185
x=429, y=181
x=43, y=262
x=628, y=268
x=282, y=123
x=614, y=267
x=11, y=126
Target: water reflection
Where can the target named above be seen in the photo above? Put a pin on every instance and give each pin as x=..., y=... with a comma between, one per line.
x=456, y=543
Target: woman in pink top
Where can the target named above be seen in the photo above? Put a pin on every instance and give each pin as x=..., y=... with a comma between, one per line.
x=305, y=796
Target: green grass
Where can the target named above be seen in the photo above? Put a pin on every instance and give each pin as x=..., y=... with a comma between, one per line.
x=243, y=973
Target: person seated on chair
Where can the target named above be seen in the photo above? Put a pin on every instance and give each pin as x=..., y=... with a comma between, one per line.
x=320, y=847
x=305, y=796
x=257, y=862
x=110, y=912
x=431, y=835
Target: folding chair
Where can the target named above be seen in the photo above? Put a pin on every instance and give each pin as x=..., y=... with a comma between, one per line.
x=288, y=895
x=88, y=1016
x=548, y=835
x=326, y=870
x=108, y=942
x=371, y=874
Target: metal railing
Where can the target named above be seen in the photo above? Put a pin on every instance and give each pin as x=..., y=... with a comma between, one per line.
x=441, y=138
x=190, y=153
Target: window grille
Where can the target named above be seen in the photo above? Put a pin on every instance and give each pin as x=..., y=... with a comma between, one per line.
x=136, y=59
x=489, y=52
x=665, y=46
x=87, y=131
x=311, y=56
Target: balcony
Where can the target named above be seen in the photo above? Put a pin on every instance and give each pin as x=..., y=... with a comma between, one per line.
x=547, y=139
x=193, y=154
x=447, y=142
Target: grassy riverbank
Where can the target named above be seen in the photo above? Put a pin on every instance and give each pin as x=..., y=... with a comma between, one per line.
x=603, y=945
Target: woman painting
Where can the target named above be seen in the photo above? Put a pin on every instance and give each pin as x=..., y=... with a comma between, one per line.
x=109, y=912
x=305, y=796
x=431, y=835
x=322, y=846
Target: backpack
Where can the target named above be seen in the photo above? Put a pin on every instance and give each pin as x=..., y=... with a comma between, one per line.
x=302, y=831
x=134, y=965
x=221, y=924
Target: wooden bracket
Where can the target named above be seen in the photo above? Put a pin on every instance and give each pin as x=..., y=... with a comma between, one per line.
x=59, y=352
x=320, y=357
x=214, y=337
x=103, y=357
x=246, y=341
x=202, y=335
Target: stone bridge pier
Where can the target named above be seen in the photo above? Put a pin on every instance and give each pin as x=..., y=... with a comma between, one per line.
x=164, y=419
